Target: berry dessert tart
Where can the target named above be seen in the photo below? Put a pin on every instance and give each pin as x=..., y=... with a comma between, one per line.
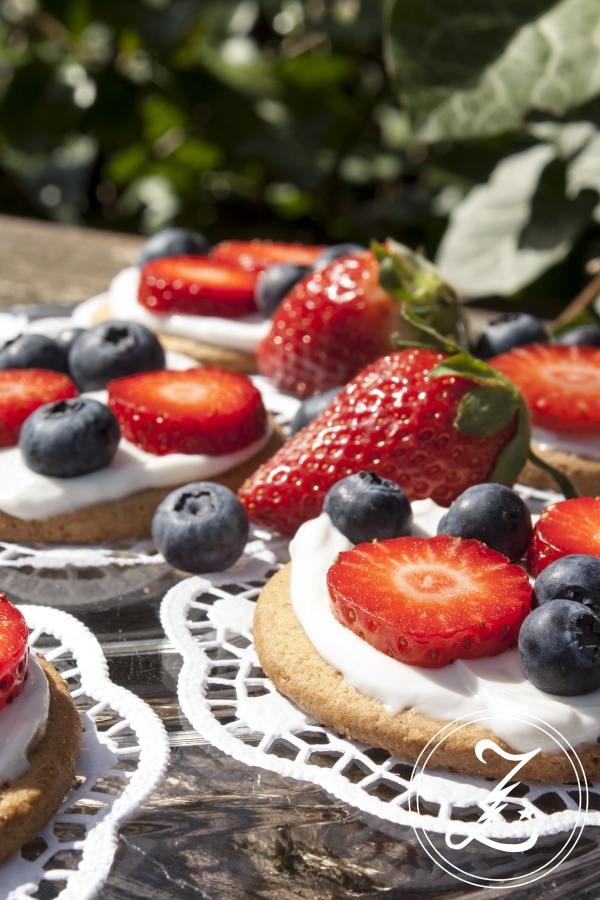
x=213, y=305
x=561, y=385
x=40, y=736
x=395, y=619
x=92, y=468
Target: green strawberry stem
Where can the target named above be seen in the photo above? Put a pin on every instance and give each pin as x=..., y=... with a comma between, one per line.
x=411, y=278
x=489, y=407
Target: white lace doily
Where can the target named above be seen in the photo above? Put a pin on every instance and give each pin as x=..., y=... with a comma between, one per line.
x=124, y=755
x=229, y=701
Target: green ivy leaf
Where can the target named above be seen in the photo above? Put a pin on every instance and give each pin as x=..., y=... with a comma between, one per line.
x=473, y=69
x=485, y=411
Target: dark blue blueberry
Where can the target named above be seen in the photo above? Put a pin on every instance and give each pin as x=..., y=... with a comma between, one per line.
x=559, y=645
x=335, y=252
x=511, y=330
x=173, y=242
x=274, y=283
x=313, y=407
x=582, y=336
x=67, y=337
x=201, y=527
x=113, y=350
x=34, y=351
x=365, y=507
x=68, y=438
x=575, y=577
x=493, y=514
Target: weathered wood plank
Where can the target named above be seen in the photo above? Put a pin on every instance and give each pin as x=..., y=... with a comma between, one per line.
x=41, y=262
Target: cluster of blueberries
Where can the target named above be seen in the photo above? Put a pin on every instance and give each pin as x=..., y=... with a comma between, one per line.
x=559, y=642
x=271, y=287
x=519, y=329
x=90, y=357
x=73, y=437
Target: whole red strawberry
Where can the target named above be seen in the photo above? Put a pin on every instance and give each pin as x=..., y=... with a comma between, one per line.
x=434, y=424
x=338, y=320
x=330, y=326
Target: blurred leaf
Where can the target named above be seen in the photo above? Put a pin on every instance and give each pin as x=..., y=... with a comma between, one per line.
x=311, y=72
x=479, y=69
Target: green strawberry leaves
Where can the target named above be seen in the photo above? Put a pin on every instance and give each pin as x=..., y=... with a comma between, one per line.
x=489, y=407
x=415, y=281
x=485, y=411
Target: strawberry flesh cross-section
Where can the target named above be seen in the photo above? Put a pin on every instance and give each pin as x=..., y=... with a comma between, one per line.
x=429, y=601
x=14, y=636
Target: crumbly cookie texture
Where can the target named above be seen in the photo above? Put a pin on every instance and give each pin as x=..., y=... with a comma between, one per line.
x=293, y=665
x=117, y=520
x=583, y=472
x=205, y=354
x=29, y=802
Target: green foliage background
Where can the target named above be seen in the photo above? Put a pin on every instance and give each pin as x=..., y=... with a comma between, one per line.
x=470, y=127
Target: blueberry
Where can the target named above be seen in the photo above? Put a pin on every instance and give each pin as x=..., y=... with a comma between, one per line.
x=113, y=350
x=582, y=336
x=274, y=284
x=335, y=252
x=34, y=351
x=493, y=514
x=67, y=337
x=512, y=330
x=173, y=242
x=559, y=646
x=312, y=407
x=575, y=577
x=68, y=438
x=365, y=507
x=201, y=527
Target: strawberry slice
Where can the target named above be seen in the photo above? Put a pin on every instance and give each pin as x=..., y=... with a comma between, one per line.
x=428, y=601
x=210, y=411
x=254, y=256
x=571, y=526
x=14, y=635
x=22, y=391
x=196, y=286
x=560, y=384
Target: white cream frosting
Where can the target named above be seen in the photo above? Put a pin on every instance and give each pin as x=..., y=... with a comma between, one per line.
x=466, y=687
x=23, y=721
x=543, y=439
x=28, y=495
x=244, y=333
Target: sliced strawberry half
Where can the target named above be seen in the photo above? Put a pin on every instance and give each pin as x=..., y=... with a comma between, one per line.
x=560, y=384
x=14, y=635
x=24, y=390
x=254, y=256
x=571, y=526
x=428, y=601
x=210, y=411
x=196, y=286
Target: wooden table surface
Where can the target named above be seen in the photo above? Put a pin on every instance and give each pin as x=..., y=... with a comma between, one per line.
x=42, y=262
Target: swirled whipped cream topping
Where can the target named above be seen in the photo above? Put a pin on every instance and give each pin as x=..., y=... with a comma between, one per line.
x=244, y=334
x=466, y=687
x=23, y=722
x=543, y=439
x=28, y=495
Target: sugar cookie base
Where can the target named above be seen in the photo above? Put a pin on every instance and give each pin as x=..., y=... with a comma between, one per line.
x=583, y=472
x=206, y=354
x=293, y=665
x=115, y=520
x=31, y=801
